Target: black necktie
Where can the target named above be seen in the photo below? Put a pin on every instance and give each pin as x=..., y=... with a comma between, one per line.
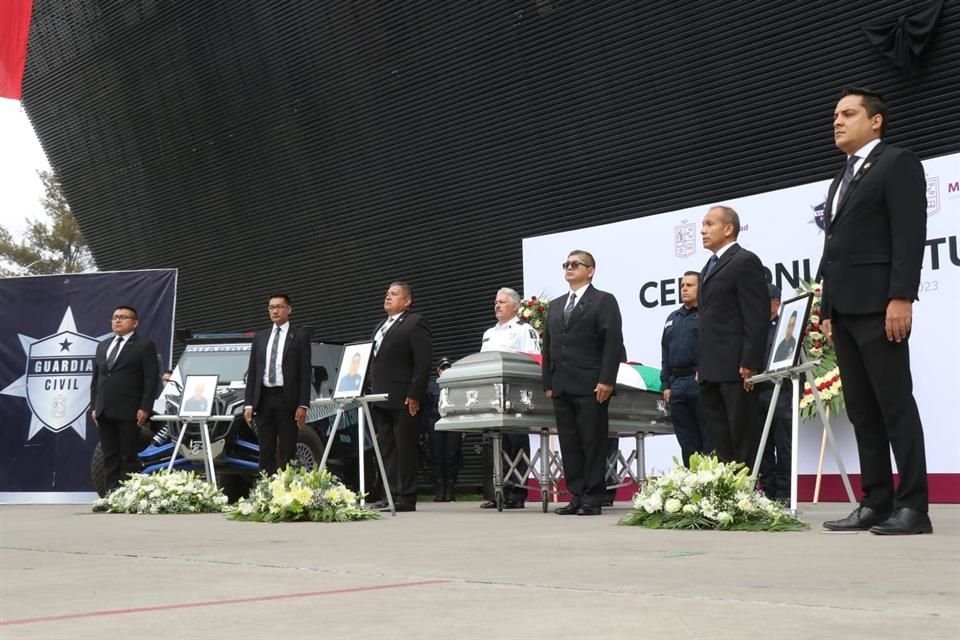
x=114, y=352
x=847, y=178
x=568, y=310
x=272, y=371
x=711, y=263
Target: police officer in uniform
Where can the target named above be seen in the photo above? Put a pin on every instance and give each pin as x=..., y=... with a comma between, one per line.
x=509, y=334
x=775, y=462
x=678, y=371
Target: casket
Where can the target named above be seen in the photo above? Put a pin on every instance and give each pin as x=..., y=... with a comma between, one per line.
x=503, y=391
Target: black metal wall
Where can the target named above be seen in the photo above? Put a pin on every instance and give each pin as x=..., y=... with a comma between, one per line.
x=327, y=148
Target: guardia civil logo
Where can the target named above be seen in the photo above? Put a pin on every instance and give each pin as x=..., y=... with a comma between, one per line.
x=56, y=382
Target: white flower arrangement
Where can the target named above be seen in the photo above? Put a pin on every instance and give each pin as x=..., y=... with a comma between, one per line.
x=162, y=492
x=708, y=495
x=295, y=493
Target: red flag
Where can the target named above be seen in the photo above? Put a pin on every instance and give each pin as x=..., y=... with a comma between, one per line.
x=14, y=29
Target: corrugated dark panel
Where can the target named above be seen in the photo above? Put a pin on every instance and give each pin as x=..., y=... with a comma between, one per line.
x=327, y=148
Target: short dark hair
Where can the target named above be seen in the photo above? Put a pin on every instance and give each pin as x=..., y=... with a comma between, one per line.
x=128, y=308
x=793, y=316
x=872, y=101
x=730, y=216
x=407, y=289
x=285, y=297
x=692, y=273
x=584, y=254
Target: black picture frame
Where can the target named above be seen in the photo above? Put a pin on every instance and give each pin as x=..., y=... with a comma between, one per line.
x=788, y=337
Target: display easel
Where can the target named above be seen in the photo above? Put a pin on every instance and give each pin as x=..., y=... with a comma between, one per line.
x=204, y=439
x=794, y=374
x=364, y=427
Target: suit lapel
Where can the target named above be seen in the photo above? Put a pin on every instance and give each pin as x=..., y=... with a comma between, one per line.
x=124, y=352
x=582, y=306
x=828, y=205
x=866, y=166
x=390, y=330
x=722, y=261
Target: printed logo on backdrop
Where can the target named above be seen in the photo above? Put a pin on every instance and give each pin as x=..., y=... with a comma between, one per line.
x=56, y=381
x=684, y=239
x=933, y=196
x=818, y=213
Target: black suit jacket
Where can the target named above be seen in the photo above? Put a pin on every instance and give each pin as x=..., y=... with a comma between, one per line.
x=402, y=365
x=120, y=391
x=873, y=244
x=734, y=308
x=585, y=351
x=295, y=366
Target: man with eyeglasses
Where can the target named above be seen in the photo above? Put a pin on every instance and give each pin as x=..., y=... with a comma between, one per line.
x=582, y=351
x=122, y=389
x=278, y=385
x=400, y=367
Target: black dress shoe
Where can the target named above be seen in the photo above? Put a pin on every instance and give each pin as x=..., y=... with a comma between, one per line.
x=607, y=502
x=567, y=510
x=489, y=504
x=513, y=504
x=589, y=510
x=402, y=507
x=379, y=504
x=903, y=522
x=860, y=519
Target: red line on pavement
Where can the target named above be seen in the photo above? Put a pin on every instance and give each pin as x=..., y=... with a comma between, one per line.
x=216, y=603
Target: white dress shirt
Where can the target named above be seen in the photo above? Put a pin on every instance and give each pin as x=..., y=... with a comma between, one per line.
x=126, y=338
x=579, y=293
x=513, y=336
x=861, y=154
x=284, y=330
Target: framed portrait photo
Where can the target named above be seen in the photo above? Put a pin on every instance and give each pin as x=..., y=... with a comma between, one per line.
x=353, y=370
x=788, y=338
x=198, y=394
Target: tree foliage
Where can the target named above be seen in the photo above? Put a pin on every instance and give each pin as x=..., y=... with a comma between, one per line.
x=54, y=245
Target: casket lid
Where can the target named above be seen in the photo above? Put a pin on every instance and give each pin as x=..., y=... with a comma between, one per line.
x=495, y=365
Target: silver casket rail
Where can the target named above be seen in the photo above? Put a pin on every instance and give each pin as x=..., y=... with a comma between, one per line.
x=501, y=391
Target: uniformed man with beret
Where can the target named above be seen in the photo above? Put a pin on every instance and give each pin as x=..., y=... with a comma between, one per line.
x=509, y=334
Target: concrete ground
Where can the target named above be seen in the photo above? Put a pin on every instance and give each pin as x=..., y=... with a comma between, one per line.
x=455, y=571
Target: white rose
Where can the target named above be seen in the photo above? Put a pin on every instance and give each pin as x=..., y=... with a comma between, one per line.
x=690, y=509
x=672, y=505
x=724, y=518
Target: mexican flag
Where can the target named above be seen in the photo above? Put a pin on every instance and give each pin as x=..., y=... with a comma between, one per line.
x=636, y=376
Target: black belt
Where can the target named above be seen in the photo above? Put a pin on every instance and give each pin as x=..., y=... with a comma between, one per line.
x=682, y=372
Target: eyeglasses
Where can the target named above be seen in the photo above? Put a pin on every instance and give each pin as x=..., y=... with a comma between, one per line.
x=119, y=317
x=277, y=307
x=573, y=264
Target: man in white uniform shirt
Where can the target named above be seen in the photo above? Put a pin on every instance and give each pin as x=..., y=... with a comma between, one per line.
x=509, y=334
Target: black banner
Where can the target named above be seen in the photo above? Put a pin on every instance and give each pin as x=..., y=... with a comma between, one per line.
x=49, y=330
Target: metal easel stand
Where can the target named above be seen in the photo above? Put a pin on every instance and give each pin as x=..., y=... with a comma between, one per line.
x=204, y=438
x=364, y=427
x=805, y=370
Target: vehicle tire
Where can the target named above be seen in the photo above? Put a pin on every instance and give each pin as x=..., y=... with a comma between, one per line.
x=309, y=448
x=96, y=471
x=236, y=486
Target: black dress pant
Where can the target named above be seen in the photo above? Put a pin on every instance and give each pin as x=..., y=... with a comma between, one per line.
x=511, y=444
x=120, y=443
x=445, y=449
x=878, y=390
x=687, y=417
x=774, y=474
x=732, y=417
x=398, y=435
x=582, y=426
x=276, y=430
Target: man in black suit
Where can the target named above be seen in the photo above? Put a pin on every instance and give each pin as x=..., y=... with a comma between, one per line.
x=278, y=385
x=876, y=226
x=582, y=351
x=400, y=367
x=122, y=390
x=734, y=313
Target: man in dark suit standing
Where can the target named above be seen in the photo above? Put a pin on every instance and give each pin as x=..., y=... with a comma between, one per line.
x=734, y=313
x=582, y=351
x=278, y=385
x=400, y=367
x=876, y=226
x=122, y=390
